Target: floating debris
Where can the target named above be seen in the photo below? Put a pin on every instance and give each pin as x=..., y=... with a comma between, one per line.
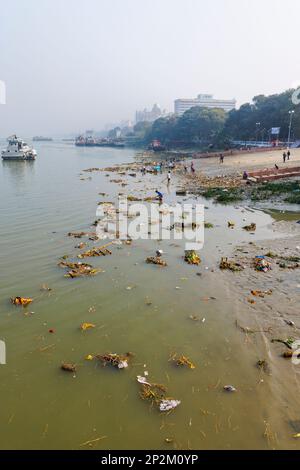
x=156, y=260
x=87, y=326
x=250, y=228
x=89, y=357
x=68, y=367
x=287, y=342
x=77, y=234
x=191, y=257
x=230, y=388
x=46, y=288
x=133, y=198
x=23, y=301
x=289, y=322
x=116, y=360
x=100, y=251
x=142, y=380
x=262, y=294
x=168, y=405
x=288, y=354
x=194, y=318
x=263, y=365
x=156, y=395
x=183, y=361
x=230, y=265
x=79, y=269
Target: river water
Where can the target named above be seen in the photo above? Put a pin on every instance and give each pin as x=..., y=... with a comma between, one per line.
x=136, y=307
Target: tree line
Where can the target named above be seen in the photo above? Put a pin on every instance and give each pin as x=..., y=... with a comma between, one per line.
x=216, y=128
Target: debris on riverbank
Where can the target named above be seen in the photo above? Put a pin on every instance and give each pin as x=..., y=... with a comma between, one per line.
x=230, y=265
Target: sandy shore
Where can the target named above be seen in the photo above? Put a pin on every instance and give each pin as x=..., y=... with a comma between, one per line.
x=249, y=161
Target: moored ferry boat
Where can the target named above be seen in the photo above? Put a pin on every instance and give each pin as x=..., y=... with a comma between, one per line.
x=17, y=149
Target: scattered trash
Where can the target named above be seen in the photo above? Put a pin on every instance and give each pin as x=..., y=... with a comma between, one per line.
x=156, y=395
x=288, y=354
x=133, y=198
x=262, y=294
x=287, y=342
x=89, y=357
x=208, y=225
x=87, y=326
x=77, y=234
x=229, y=388
x=191, y=257
x=230, y=265
x=264, y=366
x=183, y=361
x=261, y=264
x=169, y=440
x=156, y=260
x=68, y=367
x=168, y=405
x=250, y=228
x=270, y=254
x=116, y=360
x=46, y=288
x=97, y=251
x=289, y=322
x=194, y=317
x=78, y=269
x=142, y=380
x=23, y=301
x=231, y=224
x=51, y=330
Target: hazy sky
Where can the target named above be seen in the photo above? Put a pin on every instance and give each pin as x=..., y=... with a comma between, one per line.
x=70, y=65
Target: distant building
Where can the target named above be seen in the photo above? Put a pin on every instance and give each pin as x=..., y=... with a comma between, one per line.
x=204, y=101
x=149, y=116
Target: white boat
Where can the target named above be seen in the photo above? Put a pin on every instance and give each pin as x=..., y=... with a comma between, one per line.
x=17, y=149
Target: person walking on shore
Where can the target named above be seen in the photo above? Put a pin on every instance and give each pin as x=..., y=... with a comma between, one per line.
x=169, y=177
x=221, y=158
x=288, y=155
x=192, y=167
x=284, y=157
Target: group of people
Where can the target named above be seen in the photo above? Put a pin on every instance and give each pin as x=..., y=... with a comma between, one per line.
x=192, y=168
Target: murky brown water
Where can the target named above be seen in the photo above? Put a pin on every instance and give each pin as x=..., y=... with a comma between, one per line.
x=45, y=408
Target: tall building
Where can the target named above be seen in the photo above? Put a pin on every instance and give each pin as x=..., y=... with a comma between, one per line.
x=150, y=116
x=204, y=101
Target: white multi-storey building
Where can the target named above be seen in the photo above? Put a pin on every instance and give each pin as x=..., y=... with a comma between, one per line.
x=204, y=101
